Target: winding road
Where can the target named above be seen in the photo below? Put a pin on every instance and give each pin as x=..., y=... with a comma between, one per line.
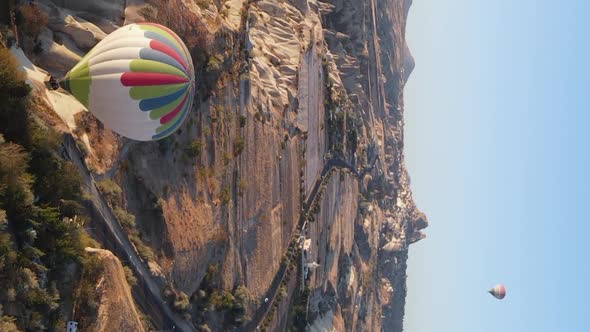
x=272, y=292
x=120, y=243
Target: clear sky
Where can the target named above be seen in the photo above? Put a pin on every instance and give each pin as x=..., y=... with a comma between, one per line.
x=497, y=143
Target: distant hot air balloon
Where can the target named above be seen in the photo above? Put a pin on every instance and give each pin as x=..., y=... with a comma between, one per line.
x=499, y=291
x=138, y=81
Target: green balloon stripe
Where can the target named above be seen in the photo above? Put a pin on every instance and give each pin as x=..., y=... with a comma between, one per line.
x=173, y=121
x=160, y=112
x=180, y=116
x=149, y=66
x=79, y=81
x=154, y=91
x=163, y=33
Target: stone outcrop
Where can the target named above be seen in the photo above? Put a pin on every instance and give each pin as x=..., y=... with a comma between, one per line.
x=116, y=310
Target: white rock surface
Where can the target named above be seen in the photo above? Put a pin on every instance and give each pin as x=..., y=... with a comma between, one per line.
x=64, y=104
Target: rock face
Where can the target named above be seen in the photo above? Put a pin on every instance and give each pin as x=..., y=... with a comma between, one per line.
x=293, y=154
x=116, y=309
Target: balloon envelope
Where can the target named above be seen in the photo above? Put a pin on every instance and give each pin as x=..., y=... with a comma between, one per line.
x=138, y=81
x=499, y=291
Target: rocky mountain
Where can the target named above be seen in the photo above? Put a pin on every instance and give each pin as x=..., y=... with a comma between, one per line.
x=283, y=202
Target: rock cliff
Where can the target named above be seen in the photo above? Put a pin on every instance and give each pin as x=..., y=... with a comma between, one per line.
x=115, y=307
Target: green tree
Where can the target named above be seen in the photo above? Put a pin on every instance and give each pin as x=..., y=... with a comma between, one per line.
x=239, y=146
x=58, y=239
x=109, y=189
x=7, y=323
x=15, y=183
x=224, y=196
x=126, y=218
x=131, y=279
x=282, y=291
x=222, y=300
x=7, y=253
x=13, y=93
x=181, y=302
x=55, y=178
x=194, y=149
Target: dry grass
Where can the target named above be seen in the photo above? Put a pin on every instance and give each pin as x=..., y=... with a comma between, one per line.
x=174, y=14
x=34, y=20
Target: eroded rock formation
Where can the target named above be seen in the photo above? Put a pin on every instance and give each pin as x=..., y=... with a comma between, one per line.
x=294, y=147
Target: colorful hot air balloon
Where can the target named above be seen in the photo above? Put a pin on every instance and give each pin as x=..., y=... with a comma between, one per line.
x=499, y=291
x=138, y=81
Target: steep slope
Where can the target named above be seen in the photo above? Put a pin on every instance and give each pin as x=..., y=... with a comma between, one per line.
x=115, y=307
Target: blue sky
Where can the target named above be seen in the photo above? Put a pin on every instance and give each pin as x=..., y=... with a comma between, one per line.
x=497, y=145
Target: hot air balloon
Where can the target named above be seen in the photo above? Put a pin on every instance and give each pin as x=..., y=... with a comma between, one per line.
x=499, y=291
x=138, y=81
